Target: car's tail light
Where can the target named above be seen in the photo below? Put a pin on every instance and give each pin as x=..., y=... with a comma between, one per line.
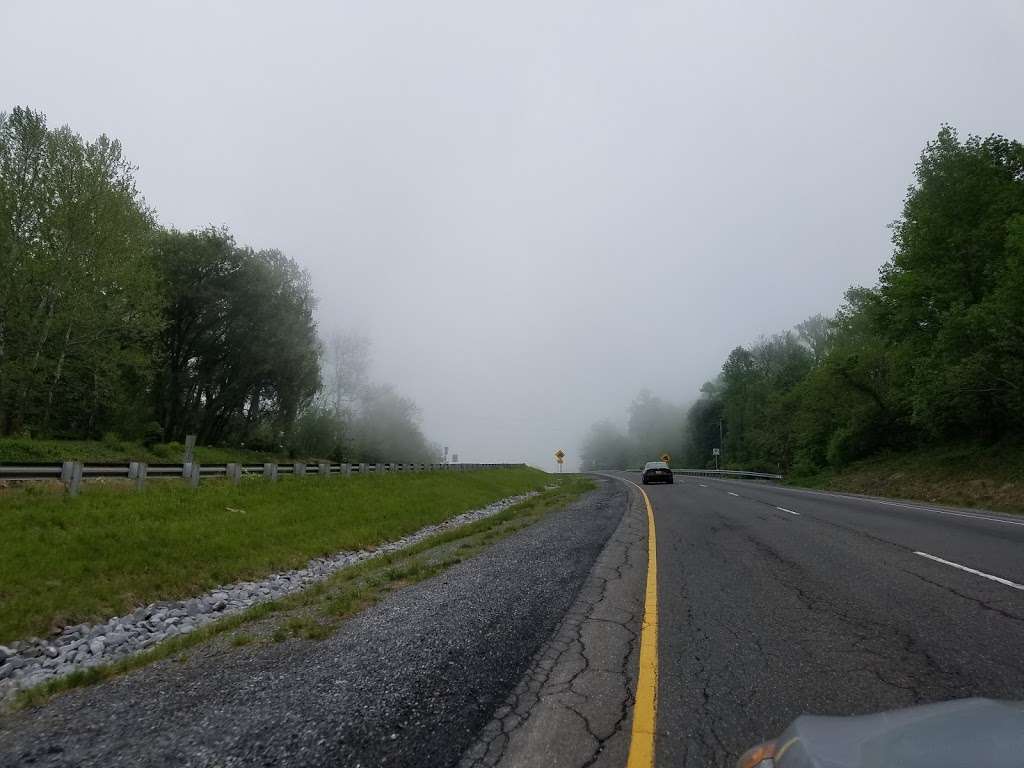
x=761, y=756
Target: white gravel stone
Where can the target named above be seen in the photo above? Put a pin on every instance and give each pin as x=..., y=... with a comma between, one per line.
x=27, y=663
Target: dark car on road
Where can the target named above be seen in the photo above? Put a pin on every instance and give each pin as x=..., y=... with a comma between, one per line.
x=656, y=472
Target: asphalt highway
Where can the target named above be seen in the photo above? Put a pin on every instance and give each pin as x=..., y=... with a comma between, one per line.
x=775, y=602
x=770, y=602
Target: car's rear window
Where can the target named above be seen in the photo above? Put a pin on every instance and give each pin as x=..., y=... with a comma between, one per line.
x=656, y=465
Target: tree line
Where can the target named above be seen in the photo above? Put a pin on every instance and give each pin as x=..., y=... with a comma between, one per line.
x=932, y=355
x=110, y=323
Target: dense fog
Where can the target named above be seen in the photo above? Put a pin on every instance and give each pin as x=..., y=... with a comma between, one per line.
x=517, y=220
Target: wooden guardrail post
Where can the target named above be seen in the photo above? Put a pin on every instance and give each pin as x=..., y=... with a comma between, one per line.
x=141, y=469
x=270, y=471
x=298, y=469
x=194, y=473
x=234, y=472
x=324, y=469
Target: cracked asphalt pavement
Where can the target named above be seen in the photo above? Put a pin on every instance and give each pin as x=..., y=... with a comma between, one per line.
x=773, y=602
x=573, y=706
x=411, y=681
x=777, y=602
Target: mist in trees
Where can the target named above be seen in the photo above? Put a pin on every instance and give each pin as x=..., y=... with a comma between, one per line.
x=654, y=427
x=110, y=323
x=355, y=419
x=933, y=354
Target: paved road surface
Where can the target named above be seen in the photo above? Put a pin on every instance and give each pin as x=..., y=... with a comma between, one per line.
x=775, y=602
x=409, y=682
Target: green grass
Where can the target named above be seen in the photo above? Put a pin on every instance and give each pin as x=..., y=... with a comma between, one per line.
x=66, y=560
x=316, y=612
x=23, y=449
x=987, y=477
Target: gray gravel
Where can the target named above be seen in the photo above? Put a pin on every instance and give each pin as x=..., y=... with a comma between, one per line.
x=409, y=682
x=30, y=662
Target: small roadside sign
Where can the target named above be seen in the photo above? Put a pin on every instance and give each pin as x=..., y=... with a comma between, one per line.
x=716, y=451
x=666, y=457
x=559, y=454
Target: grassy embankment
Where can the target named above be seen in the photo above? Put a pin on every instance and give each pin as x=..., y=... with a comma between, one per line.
x=967, y=476
x=23, y=450
x=66, y=560
x=315, y=613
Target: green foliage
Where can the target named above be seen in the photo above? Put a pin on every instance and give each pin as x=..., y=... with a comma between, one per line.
x=959, y=474
x=314, y=612
x=80, y=304
x=934, y=353
x=239, y=348
x=112, y=325
x=320, y=431
x=73, y=559
x=21, y=449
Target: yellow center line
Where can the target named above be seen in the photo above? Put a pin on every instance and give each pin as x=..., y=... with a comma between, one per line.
x=645, y=710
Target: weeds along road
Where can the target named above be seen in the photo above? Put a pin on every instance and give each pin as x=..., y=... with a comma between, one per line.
x=774, y=602
x=771, y=602
x=411, y=681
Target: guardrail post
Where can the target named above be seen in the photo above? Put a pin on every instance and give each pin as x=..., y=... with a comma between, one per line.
x=194, y=472
x=270, y=471
x=298, y=469
x=323, y=469
x=141, y=468
x=234, y=471
x=71, y=475
x=346, y=468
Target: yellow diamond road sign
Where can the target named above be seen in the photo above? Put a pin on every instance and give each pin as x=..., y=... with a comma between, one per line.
x=559, y=454
x=666, y=458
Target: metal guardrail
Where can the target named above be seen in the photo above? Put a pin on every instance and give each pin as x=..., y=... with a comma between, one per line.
x=72, y=473
x=735, y=473
x=739, y=474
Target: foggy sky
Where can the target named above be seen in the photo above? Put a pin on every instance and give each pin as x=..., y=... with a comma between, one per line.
x=539, y=208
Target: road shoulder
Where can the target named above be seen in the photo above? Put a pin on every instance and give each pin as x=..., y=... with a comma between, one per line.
x=407, y=682
x=574, y=705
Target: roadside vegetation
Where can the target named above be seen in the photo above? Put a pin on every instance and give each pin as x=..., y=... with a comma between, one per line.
x=68, y=560
x=926, y=365
x=113, y=327
x=114, y=449
x=315, y=613
x=987, y=477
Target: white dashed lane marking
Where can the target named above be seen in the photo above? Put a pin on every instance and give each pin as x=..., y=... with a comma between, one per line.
x=984, y=575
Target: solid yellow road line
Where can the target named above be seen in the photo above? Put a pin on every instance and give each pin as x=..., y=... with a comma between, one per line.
x=645, y=710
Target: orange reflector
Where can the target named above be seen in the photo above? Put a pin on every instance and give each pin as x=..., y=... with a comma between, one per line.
x=754, y=756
